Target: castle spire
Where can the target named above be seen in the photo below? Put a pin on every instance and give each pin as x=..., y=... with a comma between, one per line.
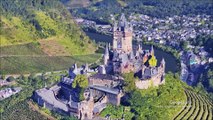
x=75, y=69
x=140, y=49
x=163, y=64
x=123, y=18
x=106, y=50
x=70, y=99
x=122, y=22
x=106, y=55
x=163, y=61
x=152, y=51
x=86, y=67
x=115, y=26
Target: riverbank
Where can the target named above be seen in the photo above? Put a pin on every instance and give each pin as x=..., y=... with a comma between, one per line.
x=172, y=62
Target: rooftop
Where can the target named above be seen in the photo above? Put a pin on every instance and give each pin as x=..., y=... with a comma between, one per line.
x=106, y=76
x=48, y=95
x=105, y=89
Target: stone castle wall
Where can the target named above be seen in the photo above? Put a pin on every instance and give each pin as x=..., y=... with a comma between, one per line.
x=152, y=82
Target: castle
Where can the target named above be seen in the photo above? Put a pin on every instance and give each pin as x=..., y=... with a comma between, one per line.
x=121, y=58
x=105, y=86
x=63, y=98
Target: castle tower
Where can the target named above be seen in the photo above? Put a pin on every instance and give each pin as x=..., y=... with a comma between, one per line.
x=163, y=65
x=152, y=51
x=86, y=67
x=122, y=35
x=73, y=71
x=70, y=99
x=140, y=49
x=106, y=55
x=132, y=55
x=75, y=68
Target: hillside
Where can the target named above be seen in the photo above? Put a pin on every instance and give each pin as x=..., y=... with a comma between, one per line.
x=102, y=10
x=26, y=21
x=174, y=100
x=40, y=35
x=197, y=107
x=28, y=58
x=79, y=3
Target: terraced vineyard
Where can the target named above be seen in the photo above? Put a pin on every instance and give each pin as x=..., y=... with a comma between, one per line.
x=198, y=107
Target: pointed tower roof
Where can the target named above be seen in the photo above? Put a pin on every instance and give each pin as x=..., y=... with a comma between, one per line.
x=163, y=61
x=123, y=21
x=109, y=46
x=123, y=18
x=137, y=54
x=140, y=48
x=70, y=99
x=152, y=50
x=75, y=68
x=106, y=50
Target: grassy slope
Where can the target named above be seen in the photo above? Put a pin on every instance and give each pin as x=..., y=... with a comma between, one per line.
x=17, y=31
x=29, y=58
x=33, y=30
x=172, y=101
x=31, y=20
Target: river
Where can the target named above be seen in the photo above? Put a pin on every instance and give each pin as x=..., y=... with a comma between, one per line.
x=171, y=63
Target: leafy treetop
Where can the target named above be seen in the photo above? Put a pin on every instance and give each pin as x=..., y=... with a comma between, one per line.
x=80, y=81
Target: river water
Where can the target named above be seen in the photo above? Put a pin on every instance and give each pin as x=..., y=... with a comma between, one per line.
x=171, y=63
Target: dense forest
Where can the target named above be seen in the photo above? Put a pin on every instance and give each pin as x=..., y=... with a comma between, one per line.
x=100, y=11
x=25, y=21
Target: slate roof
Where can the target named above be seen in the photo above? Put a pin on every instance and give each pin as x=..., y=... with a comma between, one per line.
x=105, y=76
x=48, y=96
x=105, y=89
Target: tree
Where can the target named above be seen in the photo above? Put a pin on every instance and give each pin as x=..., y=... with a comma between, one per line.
x=69, y=118
x=21, y=77
x=129, y=82
x=153, y=61
x=31, y=76
x=210, y=77
x=80, y=81
x=79, y=84
x=2, y=75
x=184, y=44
